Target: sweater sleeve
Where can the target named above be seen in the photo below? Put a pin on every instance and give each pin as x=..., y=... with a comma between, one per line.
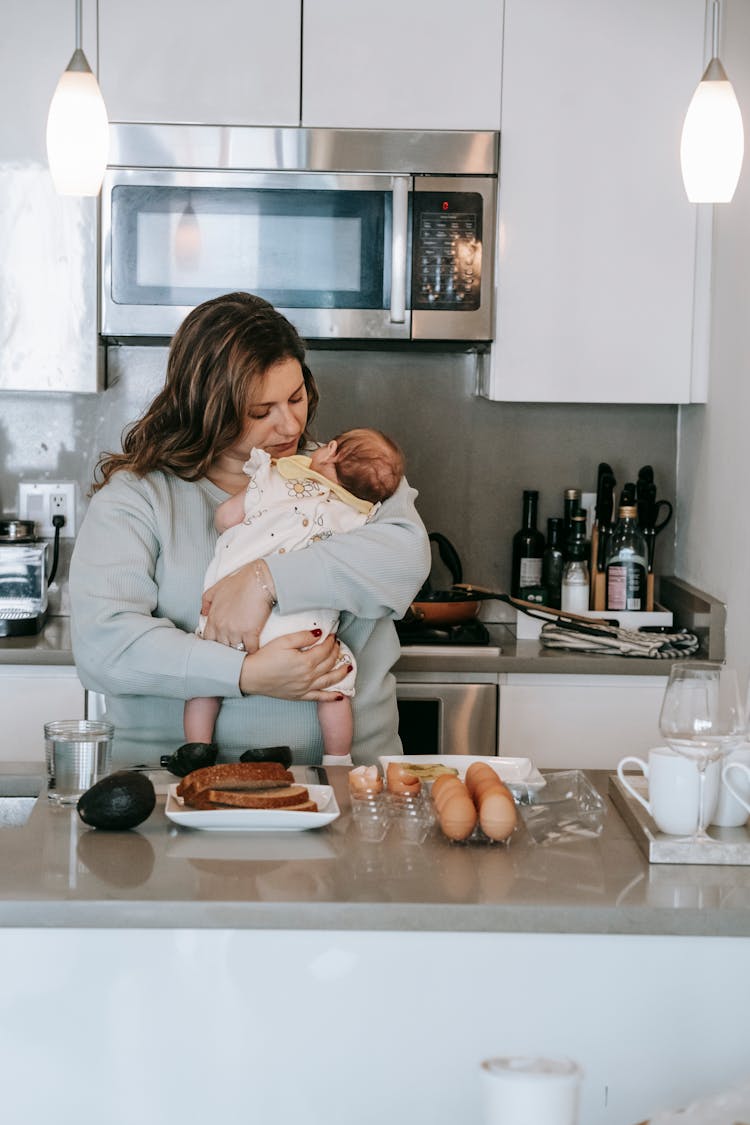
x=123, y=643
x=373, y=571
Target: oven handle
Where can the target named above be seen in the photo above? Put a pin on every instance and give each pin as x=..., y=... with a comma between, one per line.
x=399, y=233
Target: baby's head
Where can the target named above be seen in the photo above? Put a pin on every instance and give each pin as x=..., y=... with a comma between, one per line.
x=367, y=462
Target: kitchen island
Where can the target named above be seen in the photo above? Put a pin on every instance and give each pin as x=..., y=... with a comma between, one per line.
x=317, y=976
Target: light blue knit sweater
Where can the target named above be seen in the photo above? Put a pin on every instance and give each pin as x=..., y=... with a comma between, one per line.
x=135, y=588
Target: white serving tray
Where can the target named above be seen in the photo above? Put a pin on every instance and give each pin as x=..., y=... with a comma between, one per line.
x=728, y=847
x=519, y=774
x=529, y=628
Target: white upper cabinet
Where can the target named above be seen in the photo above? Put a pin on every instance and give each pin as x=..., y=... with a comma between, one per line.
x=597, y=243
x=222, y=63
x=420, y=64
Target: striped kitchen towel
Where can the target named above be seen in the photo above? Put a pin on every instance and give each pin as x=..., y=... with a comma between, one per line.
x=614, y=641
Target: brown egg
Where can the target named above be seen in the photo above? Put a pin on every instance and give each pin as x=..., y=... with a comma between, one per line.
x=440, y=782
x=447, y=791
x=399, y=780
x=486, y=785
x=497, y=814
x=365, y=779
x=458, y=817
x=478, y=771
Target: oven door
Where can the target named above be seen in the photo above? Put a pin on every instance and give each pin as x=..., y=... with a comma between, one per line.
x=331, y=251
x=447, y=718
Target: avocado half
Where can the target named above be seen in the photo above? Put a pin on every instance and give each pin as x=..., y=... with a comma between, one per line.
x=121, y=800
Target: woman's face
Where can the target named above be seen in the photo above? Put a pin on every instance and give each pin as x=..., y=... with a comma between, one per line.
x=277, y=415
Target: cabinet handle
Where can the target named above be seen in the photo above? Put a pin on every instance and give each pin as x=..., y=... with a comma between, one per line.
x=398, y=247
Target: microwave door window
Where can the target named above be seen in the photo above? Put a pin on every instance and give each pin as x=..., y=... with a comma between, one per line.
x=297, y=248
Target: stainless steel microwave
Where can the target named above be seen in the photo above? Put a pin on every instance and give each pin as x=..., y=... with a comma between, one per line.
x=354, y=235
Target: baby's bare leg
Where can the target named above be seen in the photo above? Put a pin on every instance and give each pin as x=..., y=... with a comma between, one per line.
x=337, y=725
x=199, y=718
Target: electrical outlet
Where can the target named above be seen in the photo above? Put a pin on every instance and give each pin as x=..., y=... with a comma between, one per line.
x=41, y=500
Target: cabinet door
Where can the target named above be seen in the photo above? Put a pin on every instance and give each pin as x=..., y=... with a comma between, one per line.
x=425, y=64
x=597, y=242
x=30, y=697
x=181, y=61
x=579, y=722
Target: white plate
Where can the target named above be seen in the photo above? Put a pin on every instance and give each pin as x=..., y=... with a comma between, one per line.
x=255, y=820
x=519, y=774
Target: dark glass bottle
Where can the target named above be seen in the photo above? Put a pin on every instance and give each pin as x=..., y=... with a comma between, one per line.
x=627, y=564
x=571, y=507
x=553, y=562
x=528, y=548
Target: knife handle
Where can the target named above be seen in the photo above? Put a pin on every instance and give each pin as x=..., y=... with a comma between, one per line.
x=650, y=592
x=593, y=564
x=600, y=590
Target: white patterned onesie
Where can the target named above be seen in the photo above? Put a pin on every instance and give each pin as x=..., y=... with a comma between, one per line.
x=289, y=506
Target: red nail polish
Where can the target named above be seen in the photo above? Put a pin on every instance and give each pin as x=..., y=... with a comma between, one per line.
x=350, y=667
x=317, y=632
x=338, y=697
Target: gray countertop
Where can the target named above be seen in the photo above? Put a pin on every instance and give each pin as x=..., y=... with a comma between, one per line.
x=57, y=872
x=53, y=647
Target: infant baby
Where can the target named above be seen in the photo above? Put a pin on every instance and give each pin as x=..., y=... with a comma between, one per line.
x=289, y=504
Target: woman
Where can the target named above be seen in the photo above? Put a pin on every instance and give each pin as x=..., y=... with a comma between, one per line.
x=236, y=378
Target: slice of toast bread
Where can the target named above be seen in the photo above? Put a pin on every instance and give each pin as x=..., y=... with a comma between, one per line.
x=235, y=775
x=294, y=797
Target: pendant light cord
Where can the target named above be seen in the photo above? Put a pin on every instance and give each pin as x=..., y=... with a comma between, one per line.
x=79, y=25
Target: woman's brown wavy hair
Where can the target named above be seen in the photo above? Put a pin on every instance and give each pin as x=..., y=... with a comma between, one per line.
x=217, y=358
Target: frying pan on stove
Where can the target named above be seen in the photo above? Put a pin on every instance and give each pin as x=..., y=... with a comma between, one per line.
x=460, y=603
x=444, y=607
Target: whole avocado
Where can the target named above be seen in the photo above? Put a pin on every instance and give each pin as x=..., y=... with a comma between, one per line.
x=191, y=756
x=121, y=800
x=281, y=754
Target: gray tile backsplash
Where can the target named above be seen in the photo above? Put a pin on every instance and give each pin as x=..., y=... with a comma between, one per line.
x=469, y=458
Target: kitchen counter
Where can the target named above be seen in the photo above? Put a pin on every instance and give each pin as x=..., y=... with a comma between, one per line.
x=53, y=647
x=321, y=978
x=57, y=872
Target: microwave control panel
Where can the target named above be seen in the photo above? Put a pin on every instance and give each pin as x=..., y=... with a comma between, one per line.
x=446, y=251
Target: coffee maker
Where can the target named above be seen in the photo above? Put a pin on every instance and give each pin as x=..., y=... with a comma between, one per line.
x=23, y=579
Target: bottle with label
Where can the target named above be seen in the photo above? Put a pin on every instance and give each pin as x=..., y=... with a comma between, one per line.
x=575, y=580
x=528, y=548
x=627, y=566
x=553, y=562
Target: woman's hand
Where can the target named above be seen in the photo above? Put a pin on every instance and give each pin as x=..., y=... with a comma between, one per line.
x=288, y=668
x=237, y=607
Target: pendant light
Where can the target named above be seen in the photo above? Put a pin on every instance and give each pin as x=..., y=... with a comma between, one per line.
x=713, y=142
x=77, y=127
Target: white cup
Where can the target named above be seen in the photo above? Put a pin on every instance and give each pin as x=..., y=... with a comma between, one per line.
x=674, y=789
x=735, y=779
x=519, y=1091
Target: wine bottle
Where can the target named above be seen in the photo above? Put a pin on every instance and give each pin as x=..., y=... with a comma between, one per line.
x=575, y=580
x=627, y=565
x=528, y=548
x=553, y=562
x=571, y=507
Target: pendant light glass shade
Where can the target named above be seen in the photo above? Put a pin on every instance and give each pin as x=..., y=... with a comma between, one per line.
x=713, y=142
x=77, y=128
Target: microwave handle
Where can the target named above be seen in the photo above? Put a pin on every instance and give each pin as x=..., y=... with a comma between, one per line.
x=399, y=232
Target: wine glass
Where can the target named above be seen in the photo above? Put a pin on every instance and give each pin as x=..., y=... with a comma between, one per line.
x=702, y=717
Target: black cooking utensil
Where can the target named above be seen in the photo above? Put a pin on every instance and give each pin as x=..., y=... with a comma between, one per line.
x=448, y=556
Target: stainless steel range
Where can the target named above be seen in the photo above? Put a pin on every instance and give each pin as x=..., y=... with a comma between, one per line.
x=447, y=689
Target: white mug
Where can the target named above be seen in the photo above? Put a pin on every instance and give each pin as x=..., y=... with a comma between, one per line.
x=673, y=789
x=520, y=1090
x=736, y=779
